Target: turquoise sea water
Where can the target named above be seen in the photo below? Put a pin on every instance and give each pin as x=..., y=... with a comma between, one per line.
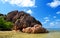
x=53, y=29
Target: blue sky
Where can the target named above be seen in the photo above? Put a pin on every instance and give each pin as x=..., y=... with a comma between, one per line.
x=46, y=11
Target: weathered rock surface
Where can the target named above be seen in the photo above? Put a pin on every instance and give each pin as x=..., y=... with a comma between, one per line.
x=10, y=15
x=35, y=29
x=23, y=20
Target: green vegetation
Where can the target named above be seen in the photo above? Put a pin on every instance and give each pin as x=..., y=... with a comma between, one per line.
x=4, y=24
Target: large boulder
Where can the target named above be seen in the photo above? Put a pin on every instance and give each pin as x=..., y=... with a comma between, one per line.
x=26, y=21
x=38, y=29
x=35, y=29
x=20, y=15
x=10, y=15
x=23, y=20
x=27, y=30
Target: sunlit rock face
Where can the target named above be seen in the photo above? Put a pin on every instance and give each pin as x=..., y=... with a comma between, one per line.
x=23, y=20
x=35, y=29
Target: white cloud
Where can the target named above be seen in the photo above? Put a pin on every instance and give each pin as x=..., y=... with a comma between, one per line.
x=54, y=4
x=55, y=23
x=29, y=11
x=58, y=23
x=52, y=24
x=4, y=1
x=54, y=17
x=58, y=12
x=46, y=20
x=21, y=3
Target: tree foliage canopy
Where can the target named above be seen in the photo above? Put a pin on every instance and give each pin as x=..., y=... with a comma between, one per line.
x=4, y=24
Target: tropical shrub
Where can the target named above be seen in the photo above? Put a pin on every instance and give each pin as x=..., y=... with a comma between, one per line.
x=4, y=25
